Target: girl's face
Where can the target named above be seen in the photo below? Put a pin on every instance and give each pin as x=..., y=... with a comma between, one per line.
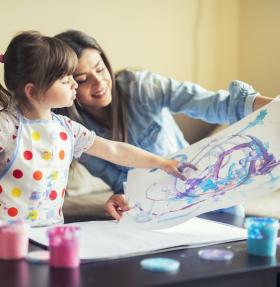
x=61, y=93
x=94, y=81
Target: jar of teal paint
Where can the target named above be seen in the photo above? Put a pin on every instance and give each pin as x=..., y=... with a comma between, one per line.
x=262, y=235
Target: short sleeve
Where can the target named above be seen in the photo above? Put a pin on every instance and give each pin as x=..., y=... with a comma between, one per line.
x=83, y=138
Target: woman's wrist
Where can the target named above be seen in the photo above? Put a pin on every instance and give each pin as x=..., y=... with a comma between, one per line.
x=261, y=101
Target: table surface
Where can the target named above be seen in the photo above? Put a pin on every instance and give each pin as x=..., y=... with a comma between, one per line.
x=242, y=270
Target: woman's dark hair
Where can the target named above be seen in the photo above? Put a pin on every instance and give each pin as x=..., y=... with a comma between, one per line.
x=117, y=110
x=37, y=59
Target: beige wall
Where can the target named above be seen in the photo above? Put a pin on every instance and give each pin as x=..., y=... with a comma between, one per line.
x=207, y=41
x=260, y=44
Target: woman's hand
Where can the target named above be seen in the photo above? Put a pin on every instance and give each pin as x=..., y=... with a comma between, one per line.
x=261, y=101
x=116, y=205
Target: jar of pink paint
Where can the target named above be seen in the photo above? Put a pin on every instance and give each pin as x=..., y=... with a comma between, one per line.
x=64, y=246
x=13, y=240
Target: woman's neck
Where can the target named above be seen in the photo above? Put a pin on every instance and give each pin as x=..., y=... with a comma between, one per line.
x=100, y=116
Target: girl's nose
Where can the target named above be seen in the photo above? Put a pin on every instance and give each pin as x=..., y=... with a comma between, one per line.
x=74, y=83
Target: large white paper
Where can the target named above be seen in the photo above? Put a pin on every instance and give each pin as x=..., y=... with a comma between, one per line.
x=102, y=240
x=224, y=170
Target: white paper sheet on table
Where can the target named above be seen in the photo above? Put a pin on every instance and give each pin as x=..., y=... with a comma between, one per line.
x=102, y=240
x=240, y=162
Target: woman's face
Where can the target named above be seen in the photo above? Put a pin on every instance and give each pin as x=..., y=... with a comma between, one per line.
x=94, y=81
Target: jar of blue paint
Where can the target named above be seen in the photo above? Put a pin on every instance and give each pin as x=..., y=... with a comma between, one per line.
x=262, y=235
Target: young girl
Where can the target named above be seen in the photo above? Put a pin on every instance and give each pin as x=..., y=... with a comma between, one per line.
x=37, y=146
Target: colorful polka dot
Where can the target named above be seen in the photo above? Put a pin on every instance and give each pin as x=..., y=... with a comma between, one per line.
x=62, y=154
x=37, y=175
x=33, y=214
x=1, y=189
x=12, y=211
x=17, y=173
x=63, y=136
x=16, y=192
x=27, y=155
x=46, y=155
x=53, y=195
x=36, y=136
x=54, y=175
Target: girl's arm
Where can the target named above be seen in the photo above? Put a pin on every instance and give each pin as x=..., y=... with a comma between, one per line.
x=131, y=156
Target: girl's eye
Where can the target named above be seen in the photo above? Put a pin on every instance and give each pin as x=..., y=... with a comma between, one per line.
x=65, y=80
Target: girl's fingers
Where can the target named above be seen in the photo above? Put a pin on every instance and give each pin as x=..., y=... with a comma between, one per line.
x=183, y=165
x=179, y=175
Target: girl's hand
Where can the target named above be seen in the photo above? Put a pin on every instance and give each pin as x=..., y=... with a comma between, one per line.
x=172, y=167
x=116, y=205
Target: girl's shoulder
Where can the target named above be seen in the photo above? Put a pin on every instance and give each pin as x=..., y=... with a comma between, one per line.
x=71, y=126
x=65, y=121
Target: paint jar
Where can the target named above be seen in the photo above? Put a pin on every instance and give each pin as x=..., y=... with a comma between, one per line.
x=13, y=240
x=262, y=235
x=64, y=246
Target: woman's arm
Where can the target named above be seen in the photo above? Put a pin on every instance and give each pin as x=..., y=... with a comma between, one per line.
x=223, y=106
x=131, y=156
x=261, y=101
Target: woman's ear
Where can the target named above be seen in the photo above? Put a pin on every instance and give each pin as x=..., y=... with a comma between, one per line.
x=30, y=91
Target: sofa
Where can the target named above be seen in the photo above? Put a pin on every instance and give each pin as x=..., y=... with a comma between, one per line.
x=86, y=194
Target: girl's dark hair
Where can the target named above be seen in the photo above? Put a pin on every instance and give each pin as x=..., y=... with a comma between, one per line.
x=117, y=110
x=37, y=59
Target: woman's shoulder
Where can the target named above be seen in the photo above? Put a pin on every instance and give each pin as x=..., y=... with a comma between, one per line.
x=139, y=84
x=134, y=75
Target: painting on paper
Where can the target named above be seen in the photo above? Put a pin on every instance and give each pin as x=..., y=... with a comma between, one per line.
x=240, y=162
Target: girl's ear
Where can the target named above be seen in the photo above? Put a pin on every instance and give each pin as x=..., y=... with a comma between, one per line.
x=30, y=91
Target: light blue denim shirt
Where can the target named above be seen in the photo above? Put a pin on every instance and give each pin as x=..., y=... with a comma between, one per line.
x=152, y=99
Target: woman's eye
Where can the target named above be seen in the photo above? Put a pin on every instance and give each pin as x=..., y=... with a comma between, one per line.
x=100, y=69
x=79, y=82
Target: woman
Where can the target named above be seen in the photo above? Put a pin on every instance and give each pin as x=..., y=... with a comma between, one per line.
x=137, y=106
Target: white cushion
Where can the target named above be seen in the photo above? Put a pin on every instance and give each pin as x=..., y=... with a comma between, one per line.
x=81, y=182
